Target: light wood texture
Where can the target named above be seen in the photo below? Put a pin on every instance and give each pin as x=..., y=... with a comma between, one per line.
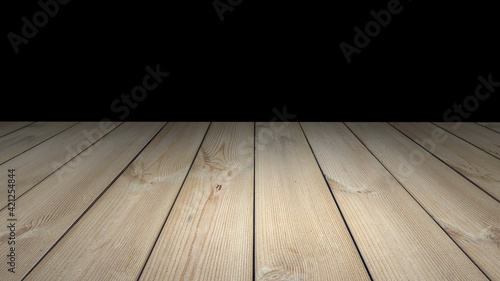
x=495, y=126
x=480, y=167
x=42, y=160
x=466, y=213
x=208, y=234
x=21, y=140
x=398, y=241
x=299, y=232
x=114, y=238
x=45, y=214
x=185, y=201
x=475, y=134
x=9, y=127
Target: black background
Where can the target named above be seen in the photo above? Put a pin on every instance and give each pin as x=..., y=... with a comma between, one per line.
x=264, y=55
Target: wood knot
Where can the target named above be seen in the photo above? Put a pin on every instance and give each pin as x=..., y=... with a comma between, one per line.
x=349, y=189
x=277, y=275
x=492, y=234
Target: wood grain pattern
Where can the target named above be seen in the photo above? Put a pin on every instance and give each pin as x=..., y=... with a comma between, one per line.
x=208, y=235
x=114, y=238
x=9, y=127
x=42, y=160
x=299, y=232
x=137, y=205
x=46, y=213
x=469, y=216
x=475, y=134
x=21, y=140
x=398, y=241
x=478, y=166
x=495, y=126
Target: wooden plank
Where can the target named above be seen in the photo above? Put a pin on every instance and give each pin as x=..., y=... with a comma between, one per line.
x=495, y=126
x=114, y=238
x=396, y=237
x=475, y=134
x=9, y=127
x=21, y=140
x=41, y=161
x=299, y=231
x=466, y=213
x=475, y=164
x=208, y=234
x=48, y=211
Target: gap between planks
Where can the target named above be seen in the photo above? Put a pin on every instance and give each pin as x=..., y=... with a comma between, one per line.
x=467, y=214
x=397, y=238
x=51, y=156
x=56, y=203
x=163, y=163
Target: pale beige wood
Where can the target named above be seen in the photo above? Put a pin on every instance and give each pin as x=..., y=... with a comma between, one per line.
x=478, y=166
x=209, y=233
x=396, y=237
x=299, y=232
x=21, y=140
x=9, y=127
x=46, y=213
x=475, y=134
x=495, y=126
x=114, y=238
x=42, y=160
x=470, y=216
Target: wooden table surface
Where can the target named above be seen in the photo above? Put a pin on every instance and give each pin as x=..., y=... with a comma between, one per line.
x=249, y=201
